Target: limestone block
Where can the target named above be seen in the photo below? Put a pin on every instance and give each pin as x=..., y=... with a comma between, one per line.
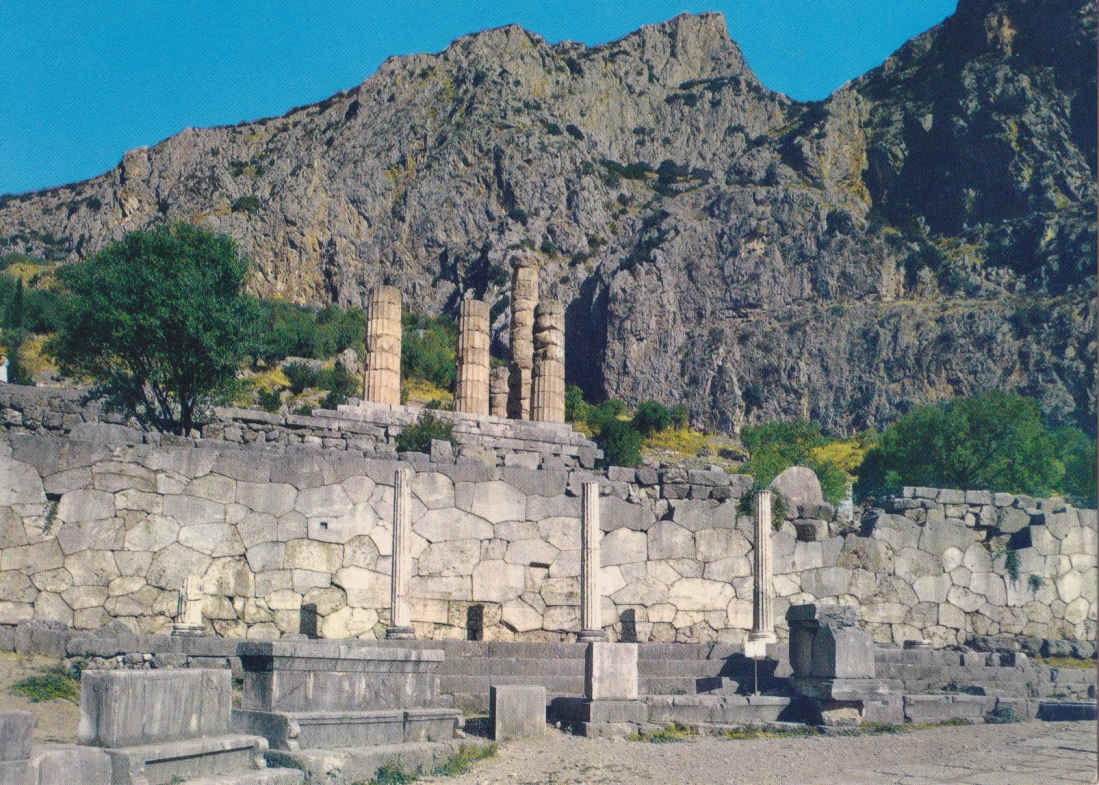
x=806, y=556
x=842, y=653
x=610, y=580
x=615, y=513
x=826, y=581
x=739, y=614
x=15, y=612
x=497, y=581
x=910, y=563
x=512, y=531
x=965, y=599
x=1044, y=542
x=610, y=671
x=884, y=611
x=81, y=597
x=229, y=577
x=932, y=588
x=977, y=558
x=952, y=558
x=325, y=501
x=191, y=510
x=699, y=594
x=1069, y=586
x=438, y=525
x=258, y=527
x=667, y=540
x=1076, y=611
x=989, y=585
x=311, y=555
x=50, y=607
x=212, y=539
x=937, y=536
x=531, y=551
x=728, y=568
x=16, y=729
x=130, y=708
x=452, y=557
x=1060, y=524
x=560, y=591
x=23, y=485
x=106, y=533
x=434, y=490
x=364, y=588
x=494, y=501
x=86, y=505
x=517, y=711
x=623, y=546
x=797, y=485
x=641, y=591
x=1012, y=519
x=142, y=501
x=92, y=568
x=214, y=487
x=714, y=544
x=270, y=498
x=560, y=532
x=34, y=558
x=348, y=623
x=16, y=586
x=562, y=618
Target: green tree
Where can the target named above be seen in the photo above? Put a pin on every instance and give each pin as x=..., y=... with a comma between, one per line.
x=776, y=446
x=620, y=442
x=650, y=417
x=995, y=441
x=158, y=321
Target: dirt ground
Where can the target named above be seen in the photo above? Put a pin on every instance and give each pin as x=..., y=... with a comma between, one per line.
x=55, y=720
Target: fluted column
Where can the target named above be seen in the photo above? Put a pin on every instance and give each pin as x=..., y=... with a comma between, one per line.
x=382, y=367
x=498, y=392
x=763, y=621
x=524, y=297
x=471, y=395
x=399, y=625
x=548, y=383
x=591, y=628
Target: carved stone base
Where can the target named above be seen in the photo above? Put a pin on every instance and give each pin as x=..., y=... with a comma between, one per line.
x=399, y=633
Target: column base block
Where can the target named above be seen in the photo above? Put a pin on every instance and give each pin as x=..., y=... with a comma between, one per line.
x=399, y=633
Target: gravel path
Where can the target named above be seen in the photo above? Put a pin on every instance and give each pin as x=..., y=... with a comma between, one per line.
x=1032, y=753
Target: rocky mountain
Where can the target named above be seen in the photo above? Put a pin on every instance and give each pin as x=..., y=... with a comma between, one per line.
x=927, y=231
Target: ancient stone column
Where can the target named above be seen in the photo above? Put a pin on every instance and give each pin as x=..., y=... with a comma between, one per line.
x=548, y=383
x=498, y=392
x=189, y=609
x=382, y=366
x=524, y=297
x=399, y=626
x=591, y=629
x=472, y=384
x=763, y=621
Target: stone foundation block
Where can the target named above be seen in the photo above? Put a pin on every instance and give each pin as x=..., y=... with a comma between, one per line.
x=516, y=711
x=610, y=671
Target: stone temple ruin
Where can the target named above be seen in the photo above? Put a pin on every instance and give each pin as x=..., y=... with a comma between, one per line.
x=369, y=600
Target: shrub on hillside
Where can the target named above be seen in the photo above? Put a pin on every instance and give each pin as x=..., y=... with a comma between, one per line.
x=428, y=348
x=650, y=417
x=301, y=376
x=994, y=441
x=620, y=442
x=418, y=436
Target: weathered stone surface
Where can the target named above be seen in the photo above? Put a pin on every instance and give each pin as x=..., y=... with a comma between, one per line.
x=311, y=555
x=667, y=540
x=451, y=557
x=213, y=539
x=437, y=525
x=364, y=588
x=623, y=546
x=271, y=498
x=797, y=485
x=497, y=581
x=86, y=505
x=189, y=510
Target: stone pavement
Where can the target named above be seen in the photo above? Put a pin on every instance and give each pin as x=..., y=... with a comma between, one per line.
x=1032, y=753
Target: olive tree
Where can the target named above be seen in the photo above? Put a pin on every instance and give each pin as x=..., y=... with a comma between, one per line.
x=158, y=322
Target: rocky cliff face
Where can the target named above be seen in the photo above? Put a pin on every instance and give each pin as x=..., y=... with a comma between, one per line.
x=925, y=232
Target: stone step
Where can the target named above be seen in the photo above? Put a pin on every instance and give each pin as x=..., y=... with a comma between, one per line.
x=657, y=668
x=354, y=765
x=715, y=709
x=555, y=685
x=499, y=666
x=668, y=685
x=252, y=777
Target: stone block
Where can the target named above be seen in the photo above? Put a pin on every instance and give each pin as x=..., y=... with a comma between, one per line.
x=610, y=671
x=130, y=708
x=16, y=728
x=842, y=653
x=516, y=711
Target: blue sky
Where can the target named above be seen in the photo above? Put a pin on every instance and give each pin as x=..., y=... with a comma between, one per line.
x=81, y=81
